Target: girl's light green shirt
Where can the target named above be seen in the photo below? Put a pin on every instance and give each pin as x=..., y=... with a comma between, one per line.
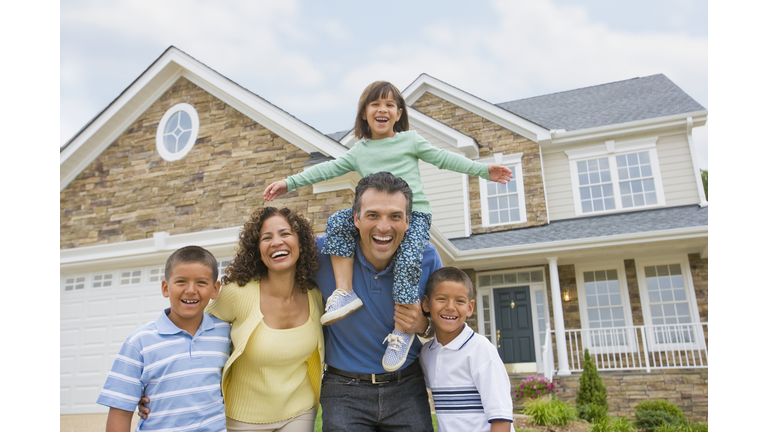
x=399, y=155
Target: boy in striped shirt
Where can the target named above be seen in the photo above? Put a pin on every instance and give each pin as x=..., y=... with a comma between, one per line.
x=177, y=359
x=469, y=383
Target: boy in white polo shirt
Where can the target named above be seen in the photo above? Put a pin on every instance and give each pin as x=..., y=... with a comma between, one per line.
x=469, y=383
x=177, y=359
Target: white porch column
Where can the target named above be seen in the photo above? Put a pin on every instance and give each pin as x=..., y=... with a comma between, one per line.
x=557, y=309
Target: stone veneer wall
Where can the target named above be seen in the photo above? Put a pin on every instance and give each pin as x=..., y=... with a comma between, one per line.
x=687, y=389
x=492, y=138
x=129, y=192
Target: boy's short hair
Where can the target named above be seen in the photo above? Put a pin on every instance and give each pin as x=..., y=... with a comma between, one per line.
x=451, y=274
x=376, y=90
x=191, y=254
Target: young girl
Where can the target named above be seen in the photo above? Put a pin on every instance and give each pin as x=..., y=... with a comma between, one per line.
x=386, y=145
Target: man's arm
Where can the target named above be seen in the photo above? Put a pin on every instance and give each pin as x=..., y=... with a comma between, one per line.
x=119, y=420
x=501, y=426
x=411, y=317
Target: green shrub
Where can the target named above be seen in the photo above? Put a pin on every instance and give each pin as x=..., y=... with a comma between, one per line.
x=700, y=427
x=613, y=424
x=651, y=415
x=533, y=387
x=592, y=412
x=591, y=388
x=550, y=413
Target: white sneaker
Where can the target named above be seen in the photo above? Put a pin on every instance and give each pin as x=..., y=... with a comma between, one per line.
x=397, y=350
x=339, y=305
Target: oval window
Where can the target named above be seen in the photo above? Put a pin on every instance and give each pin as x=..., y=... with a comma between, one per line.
x=177, y=131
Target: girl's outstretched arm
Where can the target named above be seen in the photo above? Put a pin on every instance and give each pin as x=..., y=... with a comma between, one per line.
x=275, y=189
x=499, y=173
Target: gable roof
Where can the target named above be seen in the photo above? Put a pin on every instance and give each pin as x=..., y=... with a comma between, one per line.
x=606, y=104
x=109, y=124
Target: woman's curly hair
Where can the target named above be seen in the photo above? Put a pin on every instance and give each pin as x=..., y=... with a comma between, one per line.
x=247, y=264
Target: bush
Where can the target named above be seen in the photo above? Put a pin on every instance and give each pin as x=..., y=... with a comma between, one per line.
x=652, y=415
x=550, y=413
x=591, y=388
x=533, y=387
x=700, y=427
x=613, y=424
x=592, y=412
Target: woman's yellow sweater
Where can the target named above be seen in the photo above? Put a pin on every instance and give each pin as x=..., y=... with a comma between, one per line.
x=241, y=307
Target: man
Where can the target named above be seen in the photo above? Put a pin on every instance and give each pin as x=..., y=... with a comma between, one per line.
x=357, y=393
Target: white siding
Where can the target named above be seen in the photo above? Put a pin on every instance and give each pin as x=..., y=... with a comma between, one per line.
x=677, y=170
x=557, y=171
x=675, y=163
x=445, y=193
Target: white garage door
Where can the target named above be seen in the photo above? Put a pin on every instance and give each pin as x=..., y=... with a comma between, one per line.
x=98, y=311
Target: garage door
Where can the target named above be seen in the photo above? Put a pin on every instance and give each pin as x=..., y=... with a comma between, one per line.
x=98, y=311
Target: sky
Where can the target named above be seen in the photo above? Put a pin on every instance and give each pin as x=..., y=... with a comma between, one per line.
x=313, y=58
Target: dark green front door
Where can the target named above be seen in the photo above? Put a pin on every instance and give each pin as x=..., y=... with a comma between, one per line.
x=514, y=325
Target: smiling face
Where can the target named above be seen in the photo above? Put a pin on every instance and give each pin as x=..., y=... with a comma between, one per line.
x=278, y=245
x=381, y=115
x=449, y=306
x=382, y=223
x=190, y=287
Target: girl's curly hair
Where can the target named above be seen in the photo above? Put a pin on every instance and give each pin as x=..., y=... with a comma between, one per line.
x=247, y=264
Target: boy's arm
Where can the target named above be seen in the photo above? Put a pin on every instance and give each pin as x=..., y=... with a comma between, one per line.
x=501, y=426
x=119, y=420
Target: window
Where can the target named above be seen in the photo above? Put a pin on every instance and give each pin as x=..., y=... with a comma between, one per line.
x=222, y=266
x=177, y=131
x=103, y=280
x=130, y=277
x=616, y=176
x=504, y=203
x=74, y=283
x=668, y=301
x=156, y=274
x=604, y=306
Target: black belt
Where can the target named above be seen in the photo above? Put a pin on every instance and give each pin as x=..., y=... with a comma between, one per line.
x=381, y=378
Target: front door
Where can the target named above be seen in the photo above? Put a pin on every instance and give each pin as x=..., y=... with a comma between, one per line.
x=514, y=325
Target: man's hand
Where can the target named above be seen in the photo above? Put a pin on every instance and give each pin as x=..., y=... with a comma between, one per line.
x=143, y=408
x=410, y=317
x=499, y=173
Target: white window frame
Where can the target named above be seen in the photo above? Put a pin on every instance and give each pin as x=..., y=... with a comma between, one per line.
x=142, y=277
x=114, y=280
x=617, y=265
x=164, y=153
x=611, y=149
x=685, y=265
x=533, y=288
x=509, y=160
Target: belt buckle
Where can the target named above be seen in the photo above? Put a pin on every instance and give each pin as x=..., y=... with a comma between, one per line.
x=373, y=378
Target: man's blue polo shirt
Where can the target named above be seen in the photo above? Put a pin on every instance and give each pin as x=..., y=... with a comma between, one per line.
x=180, y=373
x=354, y=344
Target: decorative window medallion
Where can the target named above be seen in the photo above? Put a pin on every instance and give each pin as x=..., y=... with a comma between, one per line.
x=177, y=131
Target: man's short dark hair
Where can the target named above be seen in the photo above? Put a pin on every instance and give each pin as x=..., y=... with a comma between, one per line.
x=451, y=274
x=191, y=254
x=383, y=182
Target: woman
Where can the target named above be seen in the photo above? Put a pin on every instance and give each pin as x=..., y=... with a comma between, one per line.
x=272, y=378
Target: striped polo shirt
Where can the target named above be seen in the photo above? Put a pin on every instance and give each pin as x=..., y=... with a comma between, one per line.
x=469, y=383
x=180, y=373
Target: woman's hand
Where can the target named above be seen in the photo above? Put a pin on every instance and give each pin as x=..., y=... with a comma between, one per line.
x=499, y=173
x=143, y=408
x=275, y=190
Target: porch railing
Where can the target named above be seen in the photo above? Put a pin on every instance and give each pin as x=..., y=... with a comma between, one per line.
x=677, y=346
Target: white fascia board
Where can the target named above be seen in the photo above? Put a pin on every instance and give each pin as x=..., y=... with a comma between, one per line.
x=278, y=121
x=679, y=121
x=458, y=256
x=464, y=143
x=162, y=244
x=425, y=83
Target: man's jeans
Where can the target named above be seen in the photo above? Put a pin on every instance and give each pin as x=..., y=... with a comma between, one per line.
x=352, y=405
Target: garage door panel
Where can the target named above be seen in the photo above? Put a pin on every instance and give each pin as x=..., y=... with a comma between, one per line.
x=94, y=336
x=90, y=365
x=127, y=306
x=121, y=332
x=99, y=309
x=66, y=366
x=68, y=338
x=71, y=311
x=153, y=304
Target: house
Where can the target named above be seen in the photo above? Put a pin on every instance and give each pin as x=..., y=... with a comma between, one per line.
x=600, y=242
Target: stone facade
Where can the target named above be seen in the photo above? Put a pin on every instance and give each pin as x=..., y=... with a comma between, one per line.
x=492, y=138
x=687, y=389
x=129, y=192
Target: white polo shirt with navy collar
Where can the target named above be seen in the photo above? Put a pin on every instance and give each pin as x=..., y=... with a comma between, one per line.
x=469, y=383
x=179, y=372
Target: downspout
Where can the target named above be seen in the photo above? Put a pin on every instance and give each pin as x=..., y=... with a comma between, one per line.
x=695, y=162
